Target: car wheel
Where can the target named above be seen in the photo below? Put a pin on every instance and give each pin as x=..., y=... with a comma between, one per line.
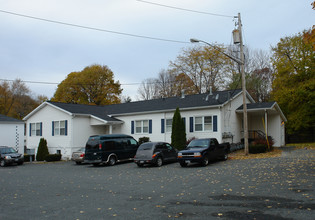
x=159, y=162
x=225, y=156
x=20, y=163
x=2, y=163
x=183, y=164
x=78, y=163
x=112, y=160
x=205, y=161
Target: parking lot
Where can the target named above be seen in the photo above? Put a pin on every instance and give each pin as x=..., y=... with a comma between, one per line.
x=271, y=188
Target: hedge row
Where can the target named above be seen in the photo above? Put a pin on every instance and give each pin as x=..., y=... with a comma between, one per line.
x=53, y=157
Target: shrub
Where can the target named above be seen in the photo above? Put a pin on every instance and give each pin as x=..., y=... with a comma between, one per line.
x=42, y=150
x=258, y=148
x=53, y=157
x=178, y=136
x=263, y=141
x=27, y=157
x=143, y=140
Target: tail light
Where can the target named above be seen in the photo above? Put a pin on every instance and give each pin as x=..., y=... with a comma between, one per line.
x=100, y=146
x=82, y=155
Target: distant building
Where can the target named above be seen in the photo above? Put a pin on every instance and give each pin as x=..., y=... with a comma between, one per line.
x=66, y=127
x=12, y=133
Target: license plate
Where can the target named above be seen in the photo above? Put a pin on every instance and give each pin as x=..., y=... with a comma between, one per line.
x=141, y=161
x=187, y=161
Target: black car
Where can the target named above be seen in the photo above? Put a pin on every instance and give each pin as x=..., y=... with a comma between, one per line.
x=9, y=156
x=155, y=153
x=202, y=151
x=109, y=149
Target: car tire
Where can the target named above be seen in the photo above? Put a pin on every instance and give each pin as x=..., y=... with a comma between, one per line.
x=159, y=162
x=183, y=164
x=112, y=160
x=205, y=161
x=78, y=163
x=2, y=163
x=225, y=156
x=20, y=163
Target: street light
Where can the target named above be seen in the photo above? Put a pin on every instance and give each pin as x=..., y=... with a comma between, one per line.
x=241, y=63
x=193, y=40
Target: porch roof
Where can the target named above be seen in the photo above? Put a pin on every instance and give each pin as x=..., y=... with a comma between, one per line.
x=262, y=107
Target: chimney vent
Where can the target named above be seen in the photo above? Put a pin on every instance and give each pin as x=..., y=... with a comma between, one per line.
x=183, y=94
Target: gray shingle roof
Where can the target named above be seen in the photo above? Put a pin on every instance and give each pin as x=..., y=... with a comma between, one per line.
x=258, y=105
x=4, y=118
x=162, y=104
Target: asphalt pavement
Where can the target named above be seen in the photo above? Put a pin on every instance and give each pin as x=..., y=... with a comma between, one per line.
x=270, y=188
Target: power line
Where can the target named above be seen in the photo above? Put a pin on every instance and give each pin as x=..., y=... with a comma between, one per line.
x=55, y=83
x=184, y=9
x=92, y=28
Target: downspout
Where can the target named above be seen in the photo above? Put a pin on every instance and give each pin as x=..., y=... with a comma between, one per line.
x=164, y=127
x=266, y=127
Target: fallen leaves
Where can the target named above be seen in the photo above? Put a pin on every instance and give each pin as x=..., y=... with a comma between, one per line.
x=239, y=155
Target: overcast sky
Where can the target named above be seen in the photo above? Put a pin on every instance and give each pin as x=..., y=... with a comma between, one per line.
x=40, y=51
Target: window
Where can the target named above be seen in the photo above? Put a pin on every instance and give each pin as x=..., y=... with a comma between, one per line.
x=203, y=123
x=168, y=125
x=59, y=128
x=36, y=129
x=142, y=126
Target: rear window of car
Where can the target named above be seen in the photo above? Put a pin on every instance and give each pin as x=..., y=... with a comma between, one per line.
x=146, y=146
x=93, y=143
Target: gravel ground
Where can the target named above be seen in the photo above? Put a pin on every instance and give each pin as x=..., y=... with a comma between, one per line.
x=270, y=188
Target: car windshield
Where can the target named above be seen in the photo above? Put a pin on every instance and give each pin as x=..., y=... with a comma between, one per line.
x=200, y=143
x=146, y=146
x=7, y=150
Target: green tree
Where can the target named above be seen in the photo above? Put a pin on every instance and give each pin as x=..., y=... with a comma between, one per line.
x=93, y=85
x=178, y=136
x=294, y=83
x=42, y=150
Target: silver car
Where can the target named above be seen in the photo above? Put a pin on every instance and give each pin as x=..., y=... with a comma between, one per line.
x=78, y=156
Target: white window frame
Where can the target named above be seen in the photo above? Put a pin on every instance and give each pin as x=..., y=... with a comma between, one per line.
x=60, y=128
x=142, y=126
x=201, y=124
x=35, y=129
x=168, y=125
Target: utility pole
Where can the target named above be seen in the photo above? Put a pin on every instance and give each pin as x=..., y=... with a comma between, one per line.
x=243, y=85
x=241, y=62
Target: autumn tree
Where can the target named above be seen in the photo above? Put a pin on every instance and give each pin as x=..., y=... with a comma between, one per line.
x=205, y=66
x=148, y=89
x=93, y=85
x=294, y=83
x=258, y=74
x=16, y=99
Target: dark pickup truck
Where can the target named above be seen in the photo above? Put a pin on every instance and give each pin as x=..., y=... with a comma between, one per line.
x=202, y=151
